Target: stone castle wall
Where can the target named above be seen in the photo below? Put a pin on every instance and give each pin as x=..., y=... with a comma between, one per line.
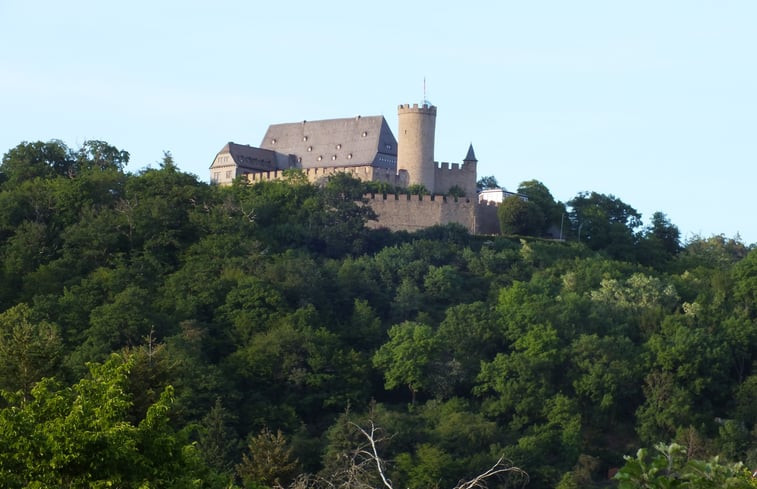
x=448, y=175
x=319, y=175
x=413, y=212
x=487, y=221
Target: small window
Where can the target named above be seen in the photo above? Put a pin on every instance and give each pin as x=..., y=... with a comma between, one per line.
x=228, y=174
x=388, y=146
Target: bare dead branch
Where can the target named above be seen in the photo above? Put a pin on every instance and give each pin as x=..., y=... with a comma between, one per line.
x=373, y=454
x=497, y=470
x=363, y=464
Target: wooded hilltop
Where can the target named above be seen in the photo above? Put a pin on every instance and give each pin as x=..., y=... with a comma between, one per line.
x=157, y=331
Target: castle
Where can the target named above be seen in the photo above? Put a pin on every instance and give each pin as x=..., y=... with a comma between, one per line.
x=366, y=148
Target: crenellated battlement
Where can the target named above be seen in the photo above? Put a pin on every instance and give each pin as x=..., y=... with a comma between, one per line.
x=444, y=166
x=444, y=199
x=450, y=175
x=423, y=109
x=315, y=175
x=402, y=212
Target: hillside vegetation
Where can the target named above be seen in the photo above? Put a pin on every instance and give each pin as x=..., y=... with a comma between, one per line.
x=197, y=336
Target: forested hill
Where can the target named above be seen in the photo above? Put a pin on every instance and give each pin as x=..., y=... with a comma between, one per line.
x=196, y=336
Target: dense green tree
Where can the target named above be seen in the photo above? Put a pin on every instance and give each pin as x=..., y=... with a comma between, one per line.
x=664, y=233
x=634, y=306
x=194, y=355
x=99, y=156
x=30, y=349
x=269, y=461
x=209, y=270
x=716, y=252
x=604, y=222
x=553, y=212
x=296, y=368
x=518, y=216
x=522, y=380
x=251, y=307
x=551, y=445
x=78, y=437
x=417, y=189
x=35, y=160
x=429, y=466
x=468, y=336
x=406, y=357
x=407, y=301
x=607, y=377
x=487, y=182
x=745, y=286
x=123, y=322
x=218, y=442
x=363, y=329
x=670, y=468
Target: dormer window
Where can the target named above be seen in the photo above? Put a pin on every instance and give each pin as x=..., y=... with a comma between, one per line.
x=310, y=148
x=333, y=158
x=320, y=158
x=349, y=156
x=365, y=133
x=304, y=138
x=273, y=141
x=338, y=146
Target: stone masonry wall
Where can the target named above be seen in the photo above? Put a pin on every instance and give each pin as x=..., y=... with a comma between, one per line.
x=317, y=175
x=487, y=221
x=411, y=213
x=448, y=175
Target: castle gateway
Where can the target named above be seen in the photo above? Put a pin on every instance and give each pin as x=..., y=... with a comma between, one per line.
x=366, y=148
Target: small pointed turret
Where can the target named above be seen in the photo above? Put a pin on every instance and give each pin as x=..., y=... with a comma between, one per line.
x=471, y=156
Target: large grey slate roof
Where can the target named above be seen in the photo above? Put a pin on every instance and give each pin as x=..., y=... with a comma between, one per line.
x=252, y=158
x=335, y=142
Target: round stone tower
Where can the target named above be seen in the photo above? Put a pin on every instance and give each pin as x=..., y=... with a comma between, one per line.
x=415, y=143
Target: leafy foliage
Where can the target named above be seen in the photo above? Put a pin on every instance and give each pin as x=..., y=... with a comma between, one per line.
x=78, y=437
x=517, y=216
x=670, y=468
x=270, y=313
x=269, y=461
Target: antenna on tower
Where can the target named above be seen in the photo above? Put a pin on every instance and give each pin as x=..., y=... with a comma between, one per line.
x=425, y=100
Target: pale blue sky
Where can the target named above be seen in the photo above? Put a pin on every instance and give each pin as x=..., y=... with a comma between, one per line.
x=652, y=101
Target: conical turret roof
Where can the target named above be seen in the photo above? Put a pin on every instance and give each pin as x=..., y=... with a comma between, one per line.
x=471, y=156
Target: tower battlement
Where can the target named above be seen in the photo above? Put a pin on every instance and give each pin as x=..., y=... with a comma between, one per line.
x=448, y=166
x=424, y=108
x=415, y=143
